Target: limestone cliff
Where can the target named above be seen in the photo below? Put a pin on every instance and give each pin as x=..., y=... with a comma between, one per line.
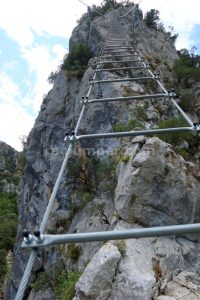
x=110, y=184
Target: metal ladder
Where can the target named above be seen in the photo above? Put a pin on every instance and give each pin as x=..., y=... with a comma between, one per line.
x=116, y=50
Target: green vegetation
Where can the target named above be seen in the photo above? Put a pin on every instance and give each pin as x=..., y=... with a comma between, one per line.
x=87, y=175
x=76, y=61
x=127, y=91
x=95, y=11
x=130, y=125
x=61, y=282
x=177, y=139
x=8, y=229
x=187, y=67
x=121, y=244
x=69, y=286
x=125, y=158
x=152, y=18
x=74, y=251
x=187, y=71
x=140, y=113
x=188, y=100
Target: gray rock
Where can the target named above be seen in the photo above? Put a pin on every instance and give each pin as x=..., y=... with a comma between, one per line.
x=96, y=281
x=156, y=187
x=185, y=286
x=41, y=295
x=165, y=298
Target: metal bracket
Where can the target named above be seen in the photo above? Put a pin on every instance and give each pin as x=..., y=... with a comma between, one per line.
x=84, y=100
x=157, y=76
x=172, y=93
x=71, y=137
x=91, y=81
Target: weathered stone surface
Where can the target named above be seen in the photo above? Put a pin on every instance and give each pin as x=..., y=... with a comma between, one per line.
x=165, y=298
x=156, y=186
x=42, y=295
x=185, y=286
x=96, y=281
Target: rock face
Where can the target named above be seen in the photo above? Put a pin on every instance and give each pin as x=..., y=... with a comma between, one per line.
x=8, y=168
x=156, y=187
x=110, y=185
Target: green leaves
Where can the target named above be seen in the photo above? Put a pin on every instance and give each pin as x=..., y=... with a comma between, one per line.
x=8, y=228
x=152, y=18
x=76, y=61
x=187, y=66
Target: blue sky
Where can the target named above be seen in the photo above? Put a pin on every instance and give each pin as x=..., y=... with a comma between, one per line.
x=34, y=37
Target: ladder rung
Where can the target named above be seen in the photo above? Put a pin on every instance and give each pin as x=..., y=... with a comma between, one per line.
x=127, y=55
x=116, y=51
x=120, y=47
x=118, y=61
x=135, y=133
x=123, y=79
x=120, y=69
x=140, y=97
x=49, y=239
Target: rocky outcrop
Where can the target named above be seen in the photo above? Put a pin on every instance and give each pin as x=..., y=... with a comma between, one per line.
x=156, y=187
x=110, y=185
x=9, y=161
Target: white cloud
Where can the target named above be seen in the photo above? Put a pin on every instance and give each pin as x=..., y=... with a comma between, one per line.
x=10, y=65
x=182, y=15
x=41, y=61
x=15, y=121
x=24, y=20
x=8, y=89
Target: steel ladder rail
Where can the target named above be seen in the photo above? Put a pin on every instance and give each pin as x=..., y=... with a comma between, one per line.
x=179, y=229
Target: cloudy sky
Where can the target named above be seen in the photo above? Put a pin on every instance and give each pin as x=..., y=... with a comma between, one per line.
x=34, y=37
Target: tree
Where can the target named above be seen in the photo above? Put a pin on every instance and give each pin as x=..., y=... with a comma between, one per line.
x=152, y=18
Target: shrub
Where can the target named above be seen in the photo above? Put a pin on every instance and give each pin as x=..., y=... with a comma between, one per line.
x=76, y=61
x=121, y=244
x=8, y=228
x=151, y=18
x=188, y=100
x=61, y=282
x=74, y=251
x=177, y=139
x=69, y=289
x=140, y=113
x=119, y=127
x=125, y=158
x=187, y=66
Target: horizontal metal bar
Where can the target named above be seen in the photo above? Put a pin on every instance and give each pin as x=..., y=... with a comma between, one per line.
x=114, y=45
x=120, y=69
x=122, y=79
x=116, y=39
x=118, y=61
x=113, y=48
x=116, y=51
x=124, y=55
x=136, y=133
x=140, y=97
x=49, y=239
